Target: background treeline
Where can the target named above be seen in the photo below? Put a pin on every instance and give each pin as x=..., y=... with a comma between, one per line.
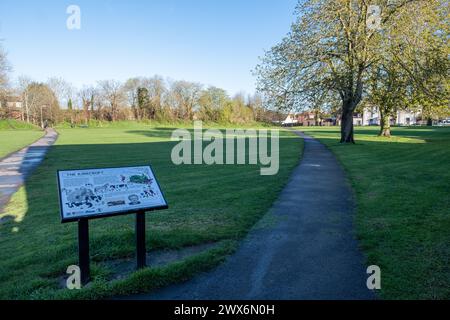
x=142, y=98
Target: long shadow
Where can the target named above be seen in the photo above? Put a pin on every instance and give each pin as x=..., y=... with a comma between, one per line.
x=402, y=209
x=15, y=169
x=206, y=204
x=423, y=132
x=155, y=132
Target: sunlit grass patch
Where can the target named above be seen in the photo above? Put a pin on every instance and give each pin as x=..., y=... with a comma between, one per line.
x=403, y=200
x=207, y=204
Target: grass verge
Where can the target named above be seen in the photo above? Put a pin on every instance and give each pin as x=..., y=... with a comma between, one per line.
x=403, y=200
x=14, y=135
x=218, y=203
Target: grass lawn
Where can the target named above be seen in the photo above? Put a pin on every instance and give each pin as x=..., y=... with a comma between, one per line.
x=14, y=136
x=208, y=204
x=403, y=201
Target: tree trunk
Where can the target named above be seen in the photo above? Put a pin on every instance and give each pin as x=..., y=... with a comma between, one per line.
x=385, y=130
x=86, y=112
x=316, y=118
x=347, y=125
x=429, y=122
x=27, y=110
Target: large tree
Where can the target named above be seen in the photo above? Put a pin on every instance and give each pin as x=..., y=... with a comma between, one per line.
x=184, y=97
x=143, y=102
x=331, y=47
x=413, y=71
x=131, y=87
x=154, y=91
x=42, y=103
x=156, y=88
x=421, y=48
x=4, y=70
x=86, y=96
x=63, y=90
x=212, y=101
x=23, y=85
x=113, y=95
x=387, y=86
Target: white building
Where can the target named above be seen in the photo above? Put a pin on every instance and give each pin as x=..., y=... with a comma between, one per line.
x=11, y=102
x=406, y=118
x=371, y=117
x=357, y=119
x=289, y=121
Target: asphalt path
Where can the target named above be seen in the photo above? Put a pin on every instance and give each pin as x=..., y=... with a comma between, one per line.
x=304, y=248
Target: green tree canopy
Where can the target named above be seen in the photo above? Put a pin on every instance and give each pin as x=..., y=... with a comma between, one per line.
x=334, y=46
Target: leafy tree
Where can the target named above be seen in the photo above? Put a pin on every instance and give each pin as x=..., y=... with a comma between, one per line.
x=412, y=72
x=237, y=111
x=145, y=107
x=212, y=101
x=388, y=91
x=42, y=103
x=331, y=47
x=424, y=57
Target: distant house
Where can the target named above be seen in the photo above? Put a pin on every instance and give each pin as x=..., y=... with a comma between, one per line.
x=11, y=102
x=332, y=121
x=289, y=121
x=357, y=119
x=13, y=106
x=371, y=117
x=407, y=118
x=307, y=119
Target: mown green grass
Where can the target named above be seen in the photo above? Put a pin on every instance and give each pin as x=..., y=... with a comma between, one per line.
x=218, y=203
x=14, y=135
x=403, y=200
x=12, y=124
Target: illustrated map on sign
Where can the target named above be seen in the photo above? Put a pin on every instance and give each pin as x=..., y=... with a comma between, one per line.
x=90, y=192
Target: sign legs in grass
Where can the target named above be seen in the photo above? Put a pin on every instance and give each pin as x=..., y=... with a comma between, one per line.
x=83, y=250
x=83, y=246
x=104, y=192
x=141, y=254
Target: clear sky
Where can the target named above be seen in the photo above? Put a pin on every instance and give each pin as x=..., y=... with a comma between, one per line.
x=215, y=42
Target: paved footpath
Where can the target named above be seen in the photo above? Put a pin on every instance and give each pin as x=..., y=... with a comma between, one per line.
x=15, y=168
x=307, y=251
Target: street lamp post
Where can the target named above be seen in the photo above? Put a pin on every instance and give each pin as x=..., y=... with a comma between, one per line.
x=42, y=117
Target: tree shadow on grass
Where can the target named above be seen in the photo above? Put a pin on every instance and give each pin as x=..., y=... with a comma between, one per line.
x=165, y=133
x=205, y=206
x=418, y=132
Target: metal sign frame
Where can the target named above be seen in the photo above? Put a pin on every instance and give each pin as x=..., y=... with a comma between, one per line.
x=83, y=225
x=109, y=214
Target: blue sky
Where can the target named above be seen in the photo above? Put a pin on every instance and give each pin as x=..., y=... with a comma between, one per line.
x=215, y=42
